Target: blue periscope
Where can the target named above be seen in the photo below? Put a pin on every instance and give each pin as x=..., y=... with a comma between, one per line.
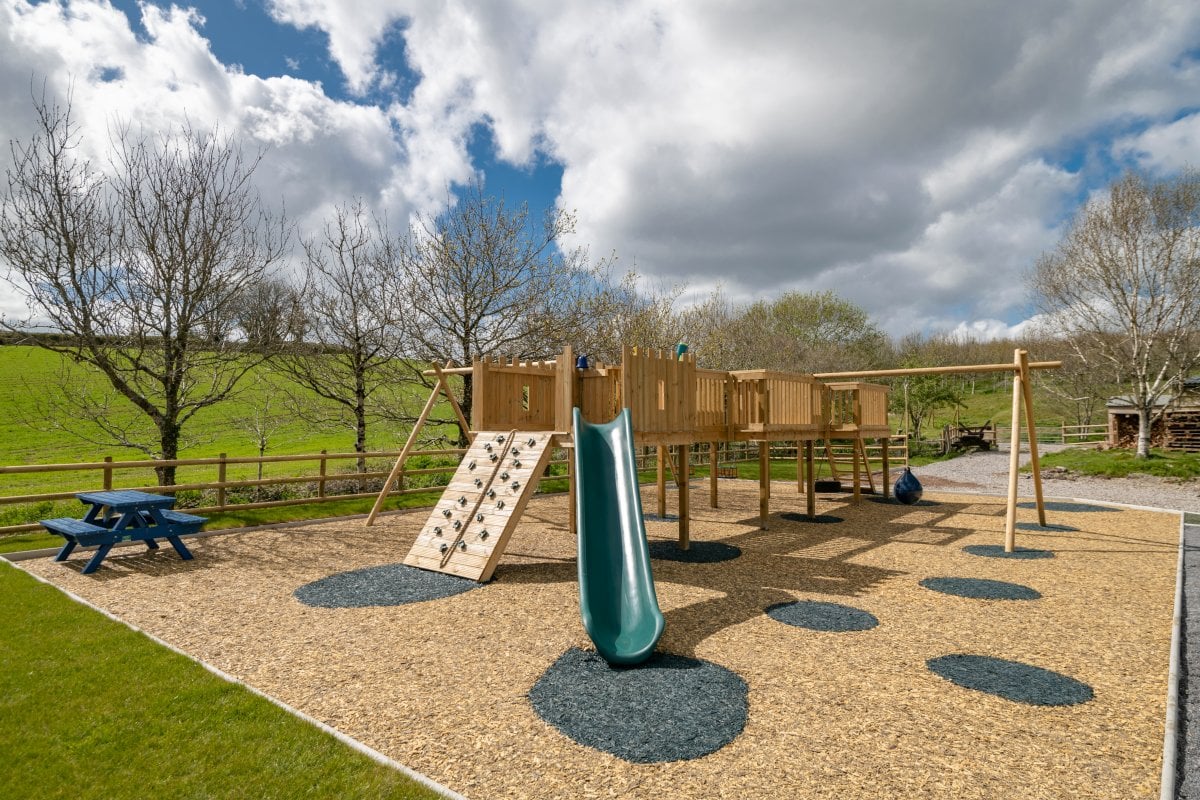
x=616, y=588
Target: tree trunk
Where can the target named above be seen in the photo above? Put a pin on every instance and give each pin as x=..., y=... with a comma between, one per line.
x=360, y=441
x=168, y=431
x=1143, y=441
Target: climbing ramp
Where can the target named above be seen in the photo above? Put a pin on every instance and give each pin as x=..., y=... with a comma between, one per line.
x=469, y=527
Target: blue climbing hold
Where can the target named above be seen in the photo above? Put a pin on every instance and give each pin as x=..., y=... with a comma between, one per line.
x=907, y=489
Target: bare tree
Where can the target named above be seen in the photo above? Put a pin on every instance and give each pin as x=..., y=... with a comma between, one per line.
x=624, y=313
x=352, y=317
x=486, y=281
x=139, y=270
x=1123, y=288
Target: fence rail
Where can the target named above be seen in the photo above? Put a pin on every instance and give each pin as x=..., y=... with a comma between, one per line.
x=103, y=473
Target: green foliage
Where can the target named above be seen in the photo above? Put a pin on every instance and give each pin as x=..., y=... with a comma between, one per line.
x=91, y=709
x=1122, y=463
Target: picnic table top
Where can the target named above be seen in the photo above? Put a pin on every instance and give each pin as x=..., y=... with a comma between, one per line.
x=126, y=499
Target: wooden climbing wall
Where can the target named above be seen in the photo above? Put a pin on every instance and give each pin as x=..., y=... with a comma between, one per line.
x=470, y=526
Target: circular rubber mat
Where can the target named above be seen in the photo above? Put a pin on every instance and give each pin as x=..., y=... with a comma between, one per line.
x=388, y=585
x=669, y=708
x=981, y=589
x=819, y=519
x=819, y=616
x=1055, y=505
x=697, y=553
x=997, y=551
x=1012, y=680
x=1033, y=526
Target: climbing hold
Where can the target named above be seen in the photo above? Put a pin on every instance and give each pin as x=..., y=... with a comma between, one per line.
x=499, y=504
x=908, y=489
x=516, y=451
x=503, y=476
x=462, y=501
x=457, y=524
x=516, y=485
x=437, y=531
x=516, y=465
x=479, y=517
x=491, y=493
x=446, y=513
x=493, y=456
x=499, y=437
x=462, y=545
x=530, y=442
x=478, y=482
x=443, y=547
x=483, y=534
x=471, y=465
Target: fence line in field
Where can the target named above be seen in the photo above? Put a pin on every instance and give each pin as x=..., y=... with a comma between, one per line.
x=102, y=473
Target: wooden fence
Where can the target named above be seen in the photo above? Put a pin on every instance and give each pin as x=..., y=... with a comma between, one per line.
x=105, y=475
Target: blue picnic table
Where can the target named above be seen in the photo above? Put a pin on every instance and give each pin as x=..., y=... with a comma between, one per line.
x=123, y=516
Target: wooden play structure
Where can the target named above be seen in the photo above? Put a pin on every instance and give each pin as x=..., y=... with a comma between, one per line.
x=522, y=410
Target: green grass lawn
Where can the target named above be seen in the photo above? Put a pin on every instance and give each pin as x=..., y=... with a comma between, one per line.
x=92, y=709
x=1121, y=463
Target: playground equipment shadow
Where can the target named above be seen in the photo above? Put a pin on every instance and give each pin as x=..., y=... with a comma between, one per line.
x=443, y=686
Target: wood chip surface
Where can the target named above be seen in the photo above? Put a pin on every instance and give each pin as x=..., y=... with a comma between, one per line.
x=442, y=686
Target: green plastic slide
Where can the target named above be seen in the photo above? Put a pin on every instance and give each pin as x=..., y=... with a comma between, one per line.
x=616, y=589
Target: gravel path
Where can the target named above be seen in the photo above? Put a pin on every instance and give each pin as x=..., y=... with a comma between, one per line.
x=987, y=473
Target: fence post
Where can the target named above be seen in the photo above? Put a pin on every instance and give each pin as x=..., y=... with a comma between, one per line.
x=321, y=479
x=221, y=481
x=108, y=473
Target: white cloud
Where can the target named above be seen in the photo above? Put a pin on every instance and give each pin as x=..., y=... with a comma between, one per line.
x=899, y=154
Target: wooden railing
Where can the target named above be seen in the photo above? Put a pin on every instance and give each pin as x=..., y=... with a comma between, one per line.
x=1084, y=433
x=102, y=474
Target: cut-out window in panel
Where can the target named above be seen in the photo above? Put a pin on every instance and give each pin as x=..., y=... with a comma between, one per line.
x=662, y=395
x=525, y=397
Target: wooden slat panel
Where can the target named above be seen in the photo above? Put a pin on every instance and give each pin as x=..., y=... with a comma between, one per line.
x=493, y=506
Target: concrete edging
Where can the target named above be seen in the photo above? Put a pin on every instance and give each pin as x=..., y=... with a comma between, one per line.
x=1170, y=760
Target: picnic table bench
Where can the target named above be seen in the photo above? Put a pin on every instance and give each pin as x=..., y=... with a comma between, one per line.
x=969, y=436
x=123, y=516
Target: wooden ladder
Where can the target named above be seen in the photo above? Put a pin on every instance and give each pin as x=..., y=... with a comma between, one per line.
x=470, y=526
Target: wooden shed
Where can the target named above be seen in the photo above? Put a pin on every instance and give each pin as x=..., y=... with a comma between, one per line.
x=1177, y=426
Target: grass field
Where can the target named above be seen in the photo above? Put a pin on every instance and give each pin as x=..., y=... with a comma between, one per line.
x=28, y=374
x=91, y=709
x=1122, y=463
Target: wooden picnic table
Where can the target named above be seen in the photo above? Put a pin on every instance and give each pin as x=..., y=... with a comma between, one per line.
x=123, y=516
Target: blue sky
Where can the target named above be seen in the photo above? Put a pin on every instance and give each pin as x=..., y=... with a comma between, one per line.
x=914, y=158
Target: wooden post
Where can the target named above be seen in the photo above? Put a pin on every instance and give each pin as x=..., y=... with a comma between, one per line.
x=713, y=461
x=662, y=481
x=764, y=483
x=887, y=474
x=321, y=476
x=1027, y=395
x=854, y=462
x=108, y=473
x=799, y=469
x=221, y=480
x=810, y=480
x=685, y=451
x=1014, y=459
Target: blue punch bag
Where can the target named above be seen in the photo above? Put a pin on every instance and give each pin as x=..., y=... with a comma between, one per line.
x=907, y=489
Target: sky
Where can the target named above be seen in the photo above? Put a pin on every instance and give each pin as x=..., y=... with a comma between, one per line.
x=914, y=158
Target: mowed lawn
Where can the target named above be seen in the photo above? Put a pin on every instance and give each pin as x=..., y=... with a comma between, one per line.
x=92, y=709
